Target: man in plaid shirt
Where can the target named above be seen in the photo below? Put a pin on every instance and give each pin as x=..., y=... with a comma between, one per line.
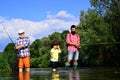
x=73, y=42
x=22, y=45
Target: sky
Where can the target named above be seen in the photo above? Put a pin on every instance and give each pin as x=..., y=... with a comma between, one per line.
x=38, y=18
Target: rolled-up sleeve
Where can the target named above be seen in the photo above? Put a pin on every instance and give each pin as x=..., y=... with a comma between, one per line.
x=68, y=38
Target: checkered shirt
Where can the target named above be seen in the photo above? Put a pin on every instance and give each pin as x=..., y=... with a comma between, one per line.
x=23, y=52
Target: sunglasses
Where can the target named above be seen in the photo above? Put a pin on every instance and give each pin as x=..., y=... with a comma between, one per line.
x=21, y=33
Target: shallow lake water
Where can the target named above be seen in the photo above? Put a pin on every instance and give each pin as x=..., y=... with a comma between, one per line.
x=94, y=73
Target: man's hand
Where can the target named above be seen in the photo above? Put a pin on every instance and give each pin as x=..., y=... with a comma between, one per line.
x=77, y=45
x=19, y=47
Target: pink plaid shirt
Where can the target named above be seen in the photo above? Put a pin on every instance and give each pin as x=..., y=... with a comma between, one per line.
x=72, y=38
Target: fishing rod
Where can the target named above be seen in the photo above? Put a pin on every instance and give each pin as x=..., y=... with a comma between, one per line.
x=7, y=33
x=13, y=60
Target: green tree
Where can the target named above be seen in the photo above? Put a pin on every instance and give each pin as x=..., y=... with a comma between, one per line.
x=8, y=57
x=93, y=30
x=39, y=48
x=110, y=10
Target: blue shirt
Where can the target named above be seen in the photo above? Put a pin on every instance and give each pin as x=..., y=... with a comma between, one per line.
x=25, y=51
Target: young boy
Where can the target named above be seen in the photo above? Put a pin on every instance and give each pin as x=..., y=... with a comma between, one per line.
x=54, y=56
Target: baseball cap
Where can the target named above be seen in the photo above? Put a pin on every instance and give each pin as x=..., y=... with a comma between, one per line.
x=20, y=31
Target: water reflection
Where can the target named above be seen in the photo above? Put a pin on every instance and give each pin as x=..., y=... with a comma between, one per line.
x=24, y=76
x=55, y=76
x=73, y=75
x=82, y=73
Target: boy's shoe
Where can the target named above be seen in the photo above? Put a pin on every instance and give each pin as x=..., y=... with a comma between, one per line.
x=54, y=70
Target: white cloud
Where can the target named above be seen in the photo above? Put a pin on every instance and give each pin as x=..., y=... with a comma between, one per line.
x=37, y=29
x=62, y=15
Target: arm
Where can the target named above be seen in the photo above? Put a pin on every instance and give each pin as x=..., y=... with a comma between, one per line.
x=51, y=52
x=59, y=49
x=17, y=46
x=68, y=40
x=78, y=41
x=22, y=46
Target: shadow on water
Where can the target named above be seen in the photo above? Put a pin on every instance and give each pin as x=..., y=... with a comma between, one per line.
x=80, y=74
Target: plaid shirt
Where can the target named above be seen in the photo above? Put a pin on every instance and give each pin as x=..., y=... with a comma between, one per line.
x=23, y=52
x=72, y=38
